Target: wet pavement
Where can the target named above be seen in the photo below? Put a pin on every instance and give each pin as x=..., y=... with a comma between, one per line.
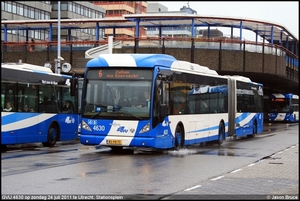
x=273, y=177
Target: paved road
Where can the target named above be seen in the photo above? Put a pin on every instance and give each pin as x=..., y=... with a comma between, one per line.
x=273, y=177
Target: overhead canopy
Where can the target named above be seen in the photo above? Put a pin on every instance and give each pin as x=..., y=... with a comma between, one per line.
x=267, y=30
x=262, y=28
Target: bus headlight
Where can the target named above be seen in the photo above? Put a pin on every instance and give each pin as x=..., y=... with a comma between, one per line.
x=146, y=128
x=85, y=126
x=79, y=127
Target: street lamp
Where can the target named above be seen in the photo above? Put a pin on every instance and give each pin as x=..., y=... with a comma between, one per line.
x=57, y=61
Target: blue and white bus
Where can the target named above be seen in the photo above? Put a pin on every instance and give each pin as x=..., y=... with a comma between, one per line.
x=283, y=107
x=188, y=103
x=32, y=100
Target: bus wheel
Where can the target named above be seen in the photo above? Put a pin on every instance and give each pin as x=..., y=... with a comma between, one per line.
x=254, y=131
x=52, y=136
x=179, y=140
x=221, y=135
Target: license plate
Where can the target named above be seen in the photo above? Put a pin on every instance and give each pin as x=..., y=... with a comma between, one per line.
x=114, y=142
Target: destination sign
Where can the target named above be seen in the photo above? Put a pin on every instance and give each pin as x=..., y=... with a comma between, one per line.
x=278, y=99
x=49, y=82
x=120, y=74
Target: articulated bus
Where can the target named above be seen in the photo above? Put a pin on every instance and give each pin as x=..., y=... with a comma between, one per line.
x=32, y=102
x=188, y=103
x=283, y=107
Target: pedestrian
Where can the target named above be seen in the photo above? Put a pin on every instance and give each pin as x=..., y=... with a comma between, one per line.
x=32, y=46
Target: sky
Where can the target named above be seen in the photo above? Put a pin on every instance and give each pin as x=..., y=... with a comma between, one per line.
x=284, y=13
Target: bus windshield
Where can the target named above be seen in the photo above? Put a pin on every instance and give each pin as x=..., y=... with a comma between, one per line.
x=113, y=97
x=279, y=105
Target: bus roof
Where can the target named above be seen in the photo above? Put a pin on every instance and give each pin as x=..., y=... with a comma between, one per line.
x=185, y=66
x=26, y=66
x=131, y=60
x=148, y=60
x=240, y=78
x=22, y=72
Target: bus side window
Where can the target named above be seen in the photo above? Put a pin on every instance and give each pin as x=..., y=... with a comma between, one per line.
x=8, y=107
x=68, y=107
x=204, y=107
x=191, y=106
x=9, y=95
x=71, y=107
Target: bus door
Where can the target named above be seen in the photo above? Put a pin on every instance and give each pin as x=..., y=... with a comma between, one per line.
x=6, y=117
x=166, y=95
x=232, y=102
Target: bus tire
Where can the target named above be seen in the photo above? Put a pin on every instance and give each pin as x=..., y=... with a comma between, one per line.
x=178, y=140
x=221, y=135
x=254, y=132
x=52, y=136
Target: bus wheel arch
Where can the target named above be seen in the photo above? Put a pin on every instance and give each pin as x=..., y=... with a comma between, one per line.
x=53, y=135
x=179, y=137
x=221, y=133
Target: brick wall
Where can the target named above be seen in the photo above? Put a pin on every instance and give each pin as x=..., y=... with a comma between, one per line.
x=226, y=60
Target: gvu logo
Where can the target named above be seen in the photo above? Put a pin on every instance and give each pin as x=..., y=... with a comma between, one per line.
x=69, y=120
x=165, y=123
x=68, y=82
x=122, y=129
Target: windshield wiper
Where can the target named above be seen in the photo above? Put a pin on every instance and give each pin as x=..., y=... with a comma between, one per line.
x=96, y=114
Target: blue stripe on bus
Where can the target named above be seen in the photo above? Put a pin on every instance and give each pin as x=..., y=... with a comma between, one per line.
x=11, y=118
x=205, y=129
